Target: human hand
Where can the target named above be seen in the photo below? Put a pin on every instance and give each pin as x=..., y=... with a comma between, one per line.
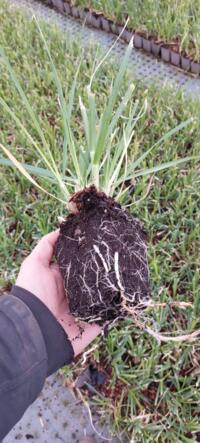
x=39, y=276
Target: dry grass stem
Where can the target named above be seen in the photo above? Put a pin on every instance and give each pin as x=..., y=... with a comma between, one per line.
x=86, y=404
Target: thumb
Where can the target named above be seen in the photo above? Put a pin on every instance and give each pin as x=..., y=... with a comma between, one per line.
x=45, y=248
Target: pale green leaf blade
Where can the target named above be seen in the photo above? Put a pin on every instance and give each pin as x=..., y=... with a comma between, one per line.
x=165, y=137
x=108, y=112
x=38, y=171
x=68, y=137
x=26, y=174
x=167, y=165
x=26, y=133
x=93, y=123
x=85, y=120
x=162, y=166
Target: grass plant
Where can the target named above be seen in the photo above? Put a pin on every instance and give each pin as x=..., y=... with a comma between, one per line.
x=154, y=378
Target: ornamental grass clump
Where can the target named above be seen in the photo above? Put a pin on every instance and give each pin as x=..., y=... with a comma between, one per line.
x=101, y=249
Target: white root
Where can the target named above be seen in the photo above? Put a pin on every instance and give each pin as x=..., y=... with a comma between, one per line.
x=107, y=271
x=61, y=219
x=140, y=323
x=68, y=269
x=107, y=253
x=88, y=352
x=101, y=257
x=104, y=264
x=173, y=304
x=116, y=265
x=178, y=338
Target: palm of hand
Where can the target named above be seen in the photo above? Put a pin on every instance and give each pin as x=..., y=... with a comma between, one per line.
x=79, y=333
x=44, y=280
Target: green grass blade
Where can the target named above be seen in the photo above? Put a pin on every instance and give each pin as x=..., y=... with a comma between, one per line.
x=70, y=103
x=93, y=122
x=83, y=163
x=107, y=114
x=68, y=136
x=57, y=176
x=121, y=107
x=93, y=131
x=127, y=137
x=165, y=137
x=110, y=165
x=108, y=53
x=26, y=133
x=37, y=170
x=32, y=115
x=84, y=153
x=90, y=123
x=62, y=102
x=72, y=149
x=69, y=109
x=5, y=61
x=167, y=165
x=26, y=174
x=116, y=163
x=85, y=120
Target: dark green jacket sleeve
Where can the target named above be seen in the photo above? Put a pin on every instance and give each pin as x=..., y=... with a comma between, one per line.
x=33, y=345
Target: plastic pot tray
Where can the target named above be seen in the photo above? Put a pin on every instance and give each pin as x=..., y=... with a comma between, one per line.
x=151, y=46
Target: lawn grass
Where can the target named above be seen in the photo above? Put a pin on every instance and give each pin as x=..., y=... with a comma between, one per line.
x=168, y=19
x=156, y=395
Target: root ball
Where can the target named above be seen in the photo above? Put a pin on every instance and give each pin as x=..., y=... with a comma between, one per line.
x=102, y=255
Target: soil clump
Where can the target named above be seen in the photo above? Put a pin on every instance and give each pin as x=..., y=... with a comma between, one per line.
x=102, y=255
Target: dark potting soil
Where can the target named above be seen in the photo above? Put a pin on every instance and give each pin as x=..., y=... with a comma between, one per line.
x=102, y=255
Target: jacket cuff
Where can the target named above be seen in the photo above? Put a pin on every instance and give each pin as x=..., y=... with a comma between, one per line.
x=58, y=347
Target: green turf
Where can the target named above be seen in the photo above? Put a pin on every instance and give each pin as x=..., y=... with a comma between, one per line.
x=158, y=396
x=168, y=19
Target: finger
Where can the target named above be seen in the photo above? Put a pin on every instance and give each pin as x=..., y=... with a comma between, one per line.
x=59, y=282
x=55, y=267
x=56, y=272
x=45, y=248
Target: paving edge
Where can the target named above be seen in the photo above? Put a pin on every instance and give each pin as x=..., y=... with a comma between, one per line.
x=148, y=45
